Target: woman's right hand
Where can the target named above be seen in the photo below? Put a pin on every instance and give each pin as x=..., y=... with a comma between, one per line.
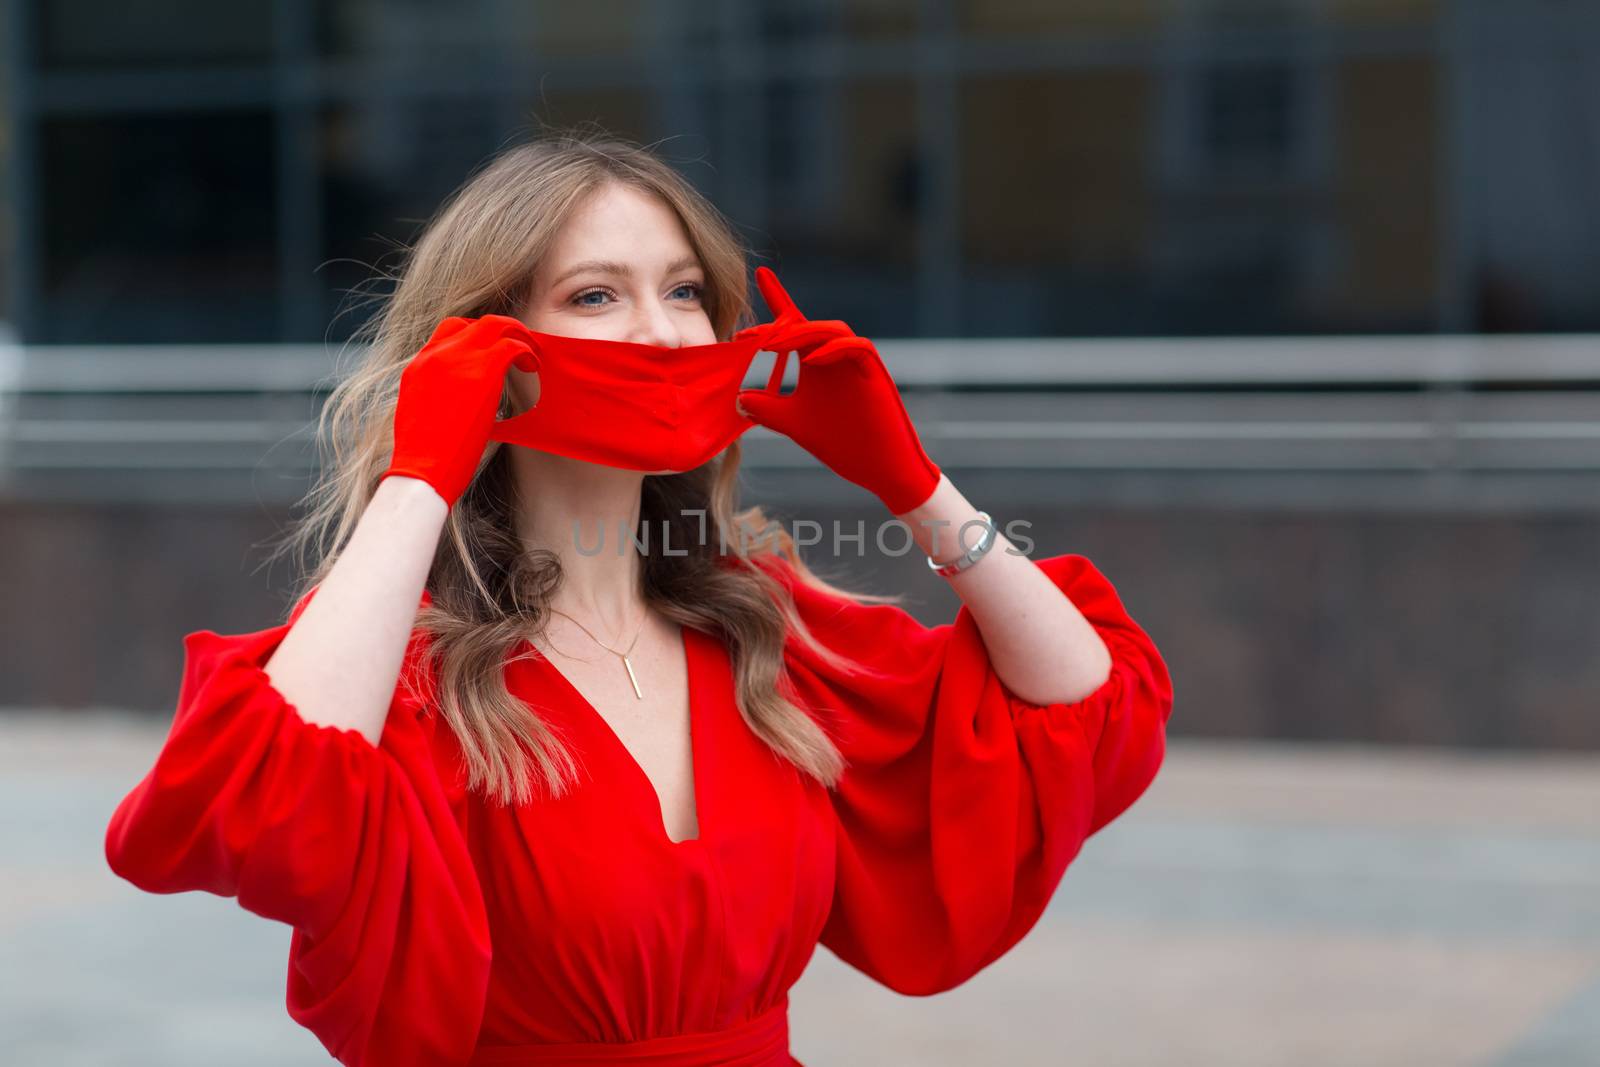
x=450, y=395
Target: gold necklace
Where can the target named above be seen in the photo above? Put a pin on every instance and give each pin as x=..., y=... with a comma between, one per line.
x=627, y=665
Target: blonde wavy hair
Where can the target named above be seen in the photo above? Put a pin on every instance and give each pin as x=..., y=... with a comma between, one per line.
x=489, y=591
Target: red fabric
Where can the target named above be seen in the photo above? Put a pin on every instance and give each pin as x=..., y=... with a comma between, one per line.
x=757, y=1042
x=645, y=407
x=845, y=409
x=959, y=813
x=641, y=407
x=449, y=395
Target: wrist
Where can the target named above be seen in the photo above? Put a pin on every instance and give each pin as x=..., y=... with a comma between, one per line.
x=402, y=488
x=946, y=525
x=968, y=551
x=915, y=501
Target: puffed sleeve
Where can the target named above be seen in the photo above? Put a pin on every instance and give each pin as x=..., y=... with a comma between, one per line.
x=360, y=848
x=962, y=805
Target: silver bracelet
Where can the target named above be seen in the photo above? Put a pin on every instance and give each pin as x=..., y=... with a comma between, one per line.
x=971, y=555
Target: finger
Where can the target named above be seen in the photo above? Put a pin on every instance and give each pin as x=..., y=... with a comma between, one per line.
x=809, y=333
x=775, y=379
x=776, y=296
x=449, y=327
x=804, y=335
x=506, y=326
x=496, y=319
x=838, y=350
x=765, y=408
x=523, y=346
x=510, y=350
x=832, y=327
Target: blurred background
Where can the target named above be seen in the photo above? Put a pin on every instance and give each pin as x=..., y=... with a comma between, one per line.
x=1281, y=311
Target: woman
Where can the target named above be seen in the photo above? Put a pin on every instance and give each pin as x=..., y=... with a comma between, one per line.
x=525, y=801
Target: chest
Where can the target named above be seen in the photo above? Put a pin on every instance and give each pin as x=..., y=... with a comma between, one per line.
x=652, y=726
x=593, y=888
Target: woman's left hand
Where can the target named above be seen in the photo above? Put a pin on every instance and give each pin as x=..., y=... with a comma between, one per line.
x=845, y=410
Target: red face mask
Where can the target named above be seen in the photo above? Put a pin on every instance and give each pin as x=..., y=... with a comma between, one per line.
x=635, y=406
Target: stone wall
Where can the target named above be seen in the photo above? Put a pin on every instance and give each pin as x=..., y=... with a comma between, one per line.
x=1456, y=628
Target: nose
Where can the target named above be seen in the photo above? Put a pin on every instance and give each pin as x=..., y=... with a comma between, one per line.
x=653, y=326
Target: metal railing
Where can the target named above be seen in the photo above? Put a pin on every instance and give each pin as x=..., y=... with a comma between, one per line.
x=149, y=420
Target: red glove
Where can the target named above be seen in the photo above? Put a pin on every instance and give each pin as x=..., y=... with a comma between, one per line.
x=845, y=410
x=450, y=394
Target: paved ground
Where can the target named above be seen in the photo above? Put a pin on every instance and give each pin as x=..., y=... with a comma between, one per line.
x=1262, y=905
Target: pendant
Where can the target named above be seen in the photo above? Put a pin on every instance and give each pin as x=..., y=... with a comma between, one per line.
x=637, y=694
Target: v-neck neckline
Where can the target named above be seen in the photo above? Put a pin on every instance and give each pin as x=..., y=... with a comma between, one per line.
x=697, y=726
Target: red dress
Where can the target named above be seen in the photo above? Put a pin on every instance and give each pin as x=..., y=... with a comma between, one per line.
x=434, y=928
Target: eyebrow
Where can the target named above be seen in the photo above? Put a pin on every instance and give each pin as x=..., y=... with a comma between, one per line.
x=606, y=266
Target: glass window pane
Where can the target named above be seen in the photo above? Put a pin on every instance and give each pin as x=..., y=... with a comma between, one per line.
x=1387, y=200
x=785, y=22
x=406, y=28
x=98, y=33
x=1024, y=17
x=409, y=31
x=869, y=20
x=593, y=28
x=158, y=228
x=385, y=169
x=1247, y=114
x=8, y=141
x=840, y=176
x=1054, y=224
x=622, y=111
x=1381, y=12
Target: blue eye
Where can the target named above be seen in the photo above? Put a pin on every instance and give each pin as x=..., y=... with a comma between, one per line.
x=581, y=300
